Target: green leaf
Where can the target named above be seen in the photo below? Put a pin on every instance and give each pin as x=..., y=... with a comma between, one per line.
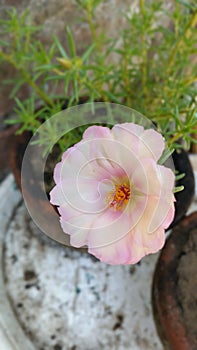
x=17, y=86
x=88, y=52
x=186, y=4
x=180, y=176
x=60, y=47
x=178, y=189
x=166, y=154
x=45, y=67
x=71, y=42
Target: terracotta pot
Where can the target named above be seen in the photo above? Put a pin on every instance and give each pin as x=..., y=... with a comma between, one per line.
x=17, y=150
x=168, y=308
x=38, y=206
x=6, y=136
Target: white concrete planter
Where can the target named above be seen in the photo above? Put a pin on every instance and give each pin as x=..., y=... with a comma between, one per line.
x=11, y=334
x=83, y=313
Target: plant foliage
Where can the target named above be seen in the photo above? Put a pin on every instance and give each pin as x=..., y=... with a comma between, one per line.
x=154, y=70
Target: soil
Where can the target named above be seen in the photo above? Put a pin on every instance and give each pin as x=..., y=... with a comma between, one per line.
x=187, y=285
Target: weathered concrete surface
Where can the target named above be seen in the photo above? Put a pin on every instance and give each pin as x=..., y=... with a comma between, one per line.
x=65, y=299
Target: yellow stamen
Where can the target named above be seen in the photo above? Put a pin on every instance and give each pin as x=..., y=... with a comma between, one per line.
x=119, y=196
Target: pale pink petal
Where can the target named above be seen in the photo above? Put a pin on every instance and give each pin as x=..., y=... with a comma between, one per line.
x=115, y=253
x=170, y=215
x=104, y=168
x=96, y=132
x=157, y=182
x=131, y=128
x=128, y=135
x=57, y=196
x=146, y=177
x=152, y=145
x=57, y=171
x=156, y=213
x=136, y=207
x=87, y=178
x=79, y=236
x=123, y=251
x=86, y=195
x=72, y=160
x=109, y=227
x=153, y=242
x=114, y=157
x=163, y=209
x=77, y=224
x=167, y=178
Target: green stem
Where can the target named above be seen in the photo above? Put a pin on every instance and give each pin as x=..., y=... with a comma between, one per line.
x=164, y=115
x=99, y=47
x=126, y=81
x=176, y=20
x=27, y=79
x=40, y=93
x=142, y=6
x=186, y=33
x=189, y=81
x=174, y=138
x=144, y=55
x=93, y=29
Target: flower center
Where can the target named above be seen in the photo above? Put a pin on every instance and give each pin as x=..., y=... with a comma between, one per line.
x=119, y=196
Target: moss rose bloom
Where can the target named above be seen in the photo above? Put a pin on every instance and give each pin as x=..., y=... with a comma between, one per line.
x=112, y=195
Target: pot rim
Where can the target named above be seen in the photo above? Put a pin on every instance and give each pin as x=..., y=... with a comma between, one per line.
x=166, y=308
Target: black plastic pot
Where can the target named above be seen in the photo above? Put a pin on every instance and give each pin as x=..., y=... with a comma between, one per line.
x=184, y=198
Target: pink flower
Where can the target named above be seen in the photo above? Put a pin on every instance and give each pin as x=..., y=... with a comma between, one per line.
x=112, y=195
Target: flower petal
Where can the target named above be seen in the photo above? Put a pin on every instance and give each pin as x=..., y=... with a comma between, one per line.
x=96, y=132
x=127, y=134
x=153, y=242
x=85, y=195
x=109, y=227
x=87, y=177
x=124, y=251
x=151, y=144
x=72, y=160
x=115, y=254
x=146, y=177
